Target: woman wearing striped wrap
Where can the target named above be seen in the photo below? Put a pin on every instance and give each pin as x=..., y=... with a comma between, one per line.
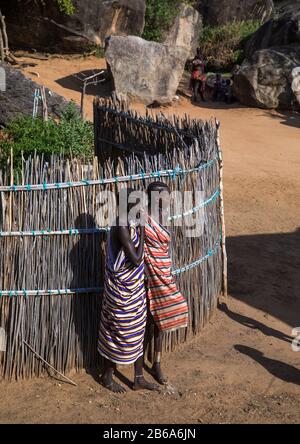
x=167, y=306
x=124, y=308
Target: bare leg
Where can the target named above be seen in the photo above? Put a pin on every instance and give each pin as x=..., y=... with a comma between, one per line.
x=156, y=368
x=140, y=382
x=107, y=379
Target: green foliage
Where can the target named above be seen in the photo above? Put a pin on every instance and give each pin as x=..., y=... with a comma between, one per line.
x=66, y=6
x=159, y=17
x=70, y=136
x=223, y=46
x=99, y=51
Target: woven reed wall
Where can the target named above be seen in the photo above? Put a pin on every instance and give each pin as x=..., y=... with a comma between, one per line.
x=63, y=328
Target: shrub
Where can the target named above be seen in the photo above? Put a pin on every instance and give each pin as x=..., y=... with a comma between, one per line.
x=66, y=6
x=71, y=136
x=223, y=46
x=159, y=17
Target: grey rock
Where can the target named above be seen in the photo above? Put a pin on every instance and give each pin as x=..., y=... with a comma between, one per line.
x=296, y=83
x=270, y=79
x=185, y=30
x=17, y=97
x=283, y=30
x=220, y=12
x=144, y=71
x=43, y=27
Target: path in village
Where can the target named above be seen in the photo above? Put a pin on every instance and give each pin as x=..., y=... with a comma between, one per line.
x=242, y=367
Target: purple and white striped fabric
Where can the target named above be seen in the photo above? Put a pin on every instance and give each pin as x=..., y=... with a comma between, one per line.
x=124, y=309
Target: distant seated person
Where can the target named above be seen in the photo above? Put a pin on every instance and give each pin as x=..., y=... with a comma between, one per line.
x=218, y=89
x=228, y=95
x=197, y=83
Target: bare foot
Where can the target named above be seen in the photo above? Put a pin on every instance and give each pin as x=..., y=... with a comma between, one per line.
x=112, y=385
x=158, y=375
x=142, y=384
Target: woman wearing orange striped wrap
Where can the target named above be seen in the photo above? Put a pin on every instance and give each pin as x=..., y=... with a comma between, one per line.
x=167, y=305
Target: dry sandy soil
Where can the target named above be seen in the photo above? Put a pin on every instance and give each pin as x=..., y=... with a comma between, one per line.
x=242, y=367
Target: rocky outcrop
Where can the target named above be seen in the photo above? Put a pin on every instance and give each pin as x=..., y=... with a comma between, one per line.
x=41, y=26
x=185, y=30
x=16, y=97
x=144, y=71
x=296, y=83
x=270, y=79
x=284, y=30
x=220, y=12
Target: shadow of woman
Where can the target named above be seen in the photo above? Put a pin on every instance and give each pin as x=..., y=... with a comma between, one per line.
x=87, y=259
x=279, y=369
x=263, y=271
x=254, y=324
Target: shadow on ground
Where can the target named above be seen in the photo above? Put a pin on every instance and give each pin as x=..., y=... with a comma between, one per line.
x=254, y=324
x=278, y=369
x=264, y=272
x=287, y=118
x=74, y=83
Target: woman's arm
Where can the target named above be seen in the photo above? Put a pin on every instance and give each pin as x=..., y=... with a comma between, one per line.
x=133, y=254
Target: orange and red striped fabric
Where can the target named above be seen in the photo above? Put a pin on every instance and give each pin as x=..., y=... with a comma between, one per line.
x=167, y=305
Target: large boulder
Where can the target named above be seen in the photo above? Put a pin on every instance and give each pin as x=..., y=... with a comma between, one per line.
x=270, y=79
x=186, y=29
x=144, y=71
x=283, y=30
x=220, y=12
x=40, y=25
x=17, y=94
x=296, y=83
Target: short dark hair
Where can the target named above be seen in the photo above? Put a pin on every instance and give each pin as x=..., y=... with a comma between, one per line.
x=157, y=186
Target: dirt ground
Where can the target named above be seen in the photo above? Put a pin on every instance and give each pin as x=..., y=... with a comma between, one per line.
x=241, y=369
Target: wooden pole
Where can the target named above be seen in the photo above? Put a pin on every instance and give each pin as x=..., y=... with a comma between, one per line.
x=223, y=228
x=1, y=46
x=2, y=54
x=3, y=38
x=11, y=182
x=82, y=101
x=44, y=104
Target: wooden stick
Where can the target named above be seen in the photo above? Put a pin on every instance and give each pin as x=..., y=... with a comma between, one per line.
x=82, y=101
x=1, y=46
x=11, y=182
x=44, y=104
x=222, y=214
x=2, y=19
x=49, y=365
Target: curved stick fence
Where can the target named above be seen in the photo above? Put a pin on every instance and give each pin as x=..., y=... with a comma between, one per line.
x=53, y=236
